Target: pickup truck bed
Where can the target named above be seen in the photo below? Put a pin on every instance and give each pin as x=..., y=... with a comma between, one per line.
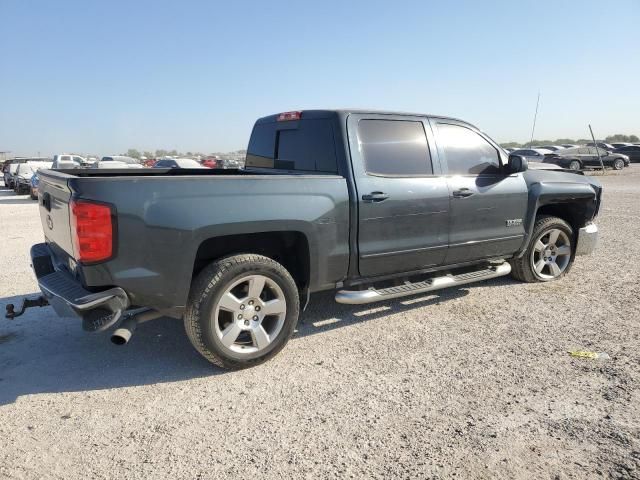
x=374, y=204
x=167, y=216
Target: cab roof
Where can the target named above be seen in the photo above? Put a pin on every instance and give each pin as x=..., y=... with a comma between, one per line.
x=316, y=114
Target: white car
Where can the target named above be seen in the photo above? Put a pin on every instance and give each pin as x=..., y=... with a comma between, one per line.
x=67, y=161
x=24, y=172
x=117, y=161
x=178, y=163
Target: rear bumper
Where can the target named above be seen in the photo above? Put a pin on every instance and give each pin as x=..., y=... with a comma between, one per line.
x=68, y=297
x=587, y=239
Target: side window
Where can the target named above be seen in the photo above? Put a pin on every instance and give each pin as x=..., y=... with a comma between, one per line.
x=77, y=159
x=466, y=152
x=394, y=147
x=65, y=158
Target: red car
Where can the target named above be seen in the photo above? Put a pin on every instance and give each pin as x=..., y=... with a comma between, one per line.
x=212, y=162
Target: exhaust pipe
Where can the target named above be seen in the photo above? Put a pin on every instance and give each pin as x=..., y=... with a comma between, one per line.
x=128, y=326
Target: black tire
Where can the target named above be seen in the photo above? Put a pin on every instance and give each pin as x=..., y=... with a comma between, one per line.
x=618, y=164
x=574, y=165
x=206, y=292
x=523, y=268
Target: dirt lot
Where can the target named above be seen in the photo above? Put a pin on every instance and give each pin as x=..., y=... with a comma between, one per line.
x=472, y=383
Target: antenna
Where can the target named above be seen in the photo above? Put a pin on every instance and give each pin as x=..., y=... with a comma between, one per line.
x=595, y=144
x=535, y=116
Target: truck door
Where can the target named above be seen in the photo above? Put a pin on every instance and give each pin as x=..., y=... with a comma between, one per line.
x=488, y=204
x=403, y=200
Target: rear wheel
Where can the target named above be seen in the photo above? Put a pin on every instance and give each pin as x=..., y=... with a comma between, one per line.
x=574, y=165
x=242, y=310
x=618, y=164
x=550, y=253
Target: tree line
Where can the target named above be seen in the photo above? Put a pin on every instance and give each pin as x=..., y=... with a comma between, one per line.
x=618, y=137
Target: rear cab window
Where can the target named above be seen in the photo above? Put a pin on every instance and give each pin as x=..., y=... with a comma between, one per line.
x=303, y=144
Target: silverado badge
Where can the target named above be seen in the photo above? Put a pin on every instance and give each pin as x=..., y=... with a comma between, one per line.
x=514, y=222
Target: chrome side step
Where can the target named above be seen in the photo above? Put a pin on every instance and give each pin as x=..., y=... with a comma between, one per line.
x=358, y=297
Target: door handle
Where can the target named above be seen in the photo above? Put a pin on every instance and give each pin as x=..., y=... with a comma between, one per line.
x=462, y=193
x=375, y=197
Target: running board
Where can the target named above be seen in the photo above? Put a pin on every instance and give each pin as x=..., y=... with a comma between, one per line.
x=358, y=297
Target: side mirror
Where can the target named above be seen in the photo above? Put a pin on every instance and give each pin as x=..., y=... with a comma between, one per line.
x=518, y=163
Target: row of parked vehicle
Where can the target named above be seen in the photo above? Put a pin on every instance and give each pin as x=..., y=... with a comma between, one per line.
x=21, y=174
x=579, y=157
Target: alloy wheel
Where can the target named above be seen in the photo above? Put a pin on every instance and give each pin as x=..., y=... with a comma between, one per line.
x=551, y=254
x=250, y=314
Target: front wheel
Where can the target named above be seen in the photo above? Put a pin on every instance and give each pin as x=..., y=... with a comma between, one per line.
x=550, y=253
x=618, y=164
x=242, y=310
x=574, y=165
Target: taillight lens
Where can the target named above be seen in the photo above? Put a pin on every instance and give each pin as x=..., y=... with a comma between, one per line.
x=92, y=231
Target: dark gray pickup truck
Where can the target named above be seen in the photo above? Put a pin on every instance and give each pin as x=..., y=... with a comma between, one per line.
x=375, y=205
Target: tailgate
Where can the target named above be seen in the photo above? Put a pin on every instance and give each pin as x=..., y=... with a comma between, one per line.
x=54, y=196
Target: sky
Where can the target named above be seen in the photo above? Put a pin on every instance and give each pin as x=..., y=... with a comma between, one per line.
x=102, y=77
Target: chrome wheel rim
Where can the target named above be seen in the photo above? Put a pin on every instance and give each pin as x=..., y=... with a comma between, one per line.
x=250, y=314
x=551, y=254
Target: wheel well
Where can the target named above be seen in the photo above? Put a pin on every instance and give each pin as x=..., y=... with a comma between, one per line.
x=290, y=249
x=572, y=213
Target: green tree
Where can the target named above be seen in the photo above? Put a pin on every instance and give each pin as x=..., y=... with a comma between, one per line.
x=161, y=153
x=147, y=154
x=619, y=137
x=507, y=145
x=133, y=153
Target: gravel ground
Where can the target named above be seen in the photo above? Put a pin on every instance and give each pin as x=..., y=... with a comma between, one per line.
x=472, y=383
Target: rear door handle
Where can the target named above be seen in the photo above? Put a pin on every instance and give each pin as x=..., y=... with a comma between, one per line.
x=462, y=193
x=375, y=197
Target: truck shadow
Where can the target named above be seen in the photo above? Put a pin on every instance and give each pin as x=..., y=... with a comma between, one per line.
x=43, y=353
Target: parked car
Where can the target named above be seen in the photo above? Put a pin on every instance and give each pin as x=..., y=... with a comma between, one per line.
x=232, y=164
x=35, y=180
x=10, y=168
x=605, y=146
x=552, y=148
x=178, y=163
x=569, y=145
x=621, y=144
x=66, y=161
x=24, y=172
x=631, y=151
x=212, y=162
x=375, y=205
x=587, y=157
x=118, y=161
x=532, y=154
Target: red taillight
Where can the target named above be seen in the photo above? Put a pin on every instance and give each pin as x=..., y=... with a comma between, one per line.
x=286, y=116
x=91, y=230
